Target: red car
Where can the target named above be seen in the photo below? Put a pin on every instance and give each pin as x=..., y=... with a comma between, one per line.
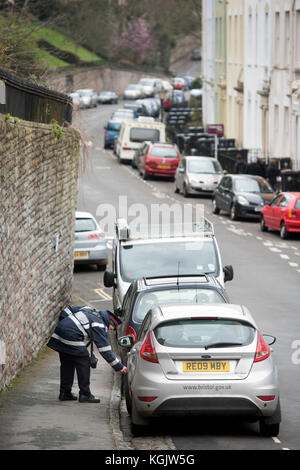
x=282, y=214
x=158, y=159
x=179, y=83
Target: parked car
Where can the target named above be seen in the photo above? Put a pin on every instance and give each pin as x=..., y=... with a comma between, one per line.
x=197, y=175
x=147, y=293
x=201, y=360
x=90, y=243
x=196, y=54
x=88, y=98
x=166, y=85
x=110, y=97
x=139, y=109
x=133, y=92
x=111, y=130
x=123, y=114
x=158, y=159
x=196, y=93
x=242, y=196
x=161, y=253
x=151, y=86
x=179, y=83
x=189, y=80
x=282, y=214
x=75, y=99
x=174, y=98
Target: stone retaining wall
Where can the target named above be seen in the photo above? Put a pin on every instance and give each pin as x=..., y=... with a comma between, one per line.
x=38, y=192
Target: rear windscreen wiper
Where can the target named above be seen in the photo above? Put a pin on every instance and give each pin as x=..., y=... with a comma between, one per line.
x=220, y=345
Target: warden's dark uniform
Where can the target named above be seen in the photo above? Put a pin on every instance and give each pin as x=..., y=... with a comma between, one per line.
x=70, y=339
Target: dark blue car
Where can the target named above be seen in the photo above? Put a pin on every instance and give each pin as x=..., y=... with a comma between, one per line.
x=111, y=130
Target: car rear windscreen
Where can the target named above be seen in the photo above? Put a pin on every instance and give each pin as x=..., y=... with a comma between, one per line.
x=141, y=134
x=204, y=333
x=163, y=152
x=84, y=225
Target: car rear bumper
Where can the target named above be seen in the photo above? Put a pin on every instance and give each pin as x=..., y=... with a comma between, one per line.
x=89, y=256
x=292, y=225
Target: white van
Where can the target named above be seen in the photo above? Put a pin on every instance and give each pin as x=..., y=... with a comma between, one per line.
x=133, y=133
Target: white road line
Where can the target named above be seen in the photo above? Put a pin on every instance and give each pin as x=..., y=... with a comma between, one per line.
x=285, y=256
x=276, y=250
x=294, y=265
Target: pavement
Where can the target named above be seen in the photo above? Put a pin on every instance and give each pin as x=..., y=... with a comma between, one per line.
x=32, y=417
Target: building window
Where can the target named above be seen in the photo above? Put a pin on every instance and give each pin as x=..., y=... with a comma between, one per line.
x=277, y=37
x=287, y=37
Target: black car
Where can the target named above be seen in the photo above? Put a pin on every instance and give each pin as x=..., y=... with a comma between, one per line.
x=146, y=293
x=242, y=196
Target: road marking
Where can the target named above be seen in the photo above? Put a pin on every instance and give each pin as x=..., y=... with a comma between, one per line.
x=276, y=250
x=294, y=265
x=102, y=294
x=285, y=256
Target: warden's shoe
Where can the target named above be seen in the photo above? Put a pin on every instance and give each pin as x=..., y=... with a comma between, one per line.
x=88, y=399
x=67, y=396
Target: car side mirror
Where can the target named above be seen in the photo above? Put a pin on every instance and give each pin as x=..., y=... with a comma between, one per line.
x=269, y=339
x=109, y=279
x=126, y=341
x=228, y=273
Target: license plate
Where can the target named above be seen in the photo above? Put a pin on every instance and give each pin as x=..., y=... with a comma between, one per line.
x=81, y=254
x=206, y=366
x=257, y=209
x=164, y=166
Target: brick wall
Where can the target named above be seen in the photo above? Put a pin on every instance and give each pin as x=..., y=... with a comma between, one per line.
x=38, y=193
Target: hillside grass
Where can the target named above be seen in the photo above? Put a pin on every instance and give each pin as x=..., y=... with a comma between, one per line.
x=61, y=41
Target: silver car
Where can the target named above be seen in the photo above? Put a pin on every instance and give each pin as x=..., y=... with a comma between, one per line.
x=133, y=92
x=207, y=359
x=90, y=243
x=197, y=175
x=88, y=98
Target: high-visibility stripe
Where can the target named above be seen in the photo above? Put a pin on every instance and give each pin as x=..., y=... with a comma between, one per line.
x=79, y=325
x=106, y=348
x=70, y=343
x=113, y=363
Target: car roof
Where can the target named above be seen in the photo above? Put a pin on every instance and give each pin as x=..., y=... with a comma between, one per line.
x=81, y=214
x=224, y=310
x=177, y=281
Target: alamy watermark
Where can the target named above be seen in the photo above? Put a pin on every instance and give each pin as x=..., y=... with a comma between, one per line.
x=153, y=220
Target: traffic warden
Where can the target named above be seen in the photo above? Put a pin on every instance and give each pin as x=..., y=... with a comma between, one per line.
x=71, y=338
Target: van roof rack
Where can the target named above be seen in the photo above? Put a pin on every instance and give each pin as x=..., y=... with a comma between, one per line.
x=203, y=227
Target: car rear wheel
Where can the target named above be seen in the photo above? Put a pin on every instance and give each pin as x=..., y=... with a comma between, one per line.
x=233, y=215
x=268, y=430
x=263, y=226
x=185, y=191
x=215, y=209
x=283, y=231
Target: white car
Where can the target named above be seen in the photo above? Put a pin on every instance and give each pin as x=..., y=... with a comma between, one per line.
x=90, y=243
x=163, y=254
x=88, y=98
x=201, y=360
x=133, y=92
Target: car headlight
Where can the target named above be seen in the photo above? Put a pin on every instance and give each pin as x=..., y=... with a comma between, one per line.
x=193, y=181
x=243, y=201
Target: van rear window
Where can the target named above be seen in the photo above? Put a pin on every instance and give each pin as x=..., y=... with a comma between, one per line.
x=142, y=134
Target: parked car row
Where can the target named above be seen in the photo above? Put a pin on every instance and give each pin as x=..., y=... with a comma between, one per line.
x=88, y=98
x=180, y=332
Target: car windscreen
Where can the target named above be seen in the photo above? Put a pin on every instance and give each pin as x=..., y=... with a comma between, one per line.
x=113, y=126
x=204, y=166
x=163, y=152
x=251, y=185
x=168, y=258
x=177, y=295
x=140, y=134
x=204, y=333
x=84, y=225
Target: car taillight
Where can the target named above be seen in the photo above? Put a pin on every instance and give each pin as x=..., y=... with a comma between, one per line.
x=96, y=235
x=130, y=331
x=292, y=214
x=262, y=349
x=266, y=397
x=148, y=352
x=106, y=134
x=147, y=399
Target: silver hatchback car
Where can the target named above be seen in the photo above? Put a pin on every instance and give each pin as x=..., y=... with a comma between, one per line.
x=207, y=359
x=197, y=175
x=90, y=243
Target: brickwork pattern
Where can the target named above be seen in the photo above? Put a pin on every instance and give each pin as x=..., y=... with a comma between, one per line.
x=38, y=193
